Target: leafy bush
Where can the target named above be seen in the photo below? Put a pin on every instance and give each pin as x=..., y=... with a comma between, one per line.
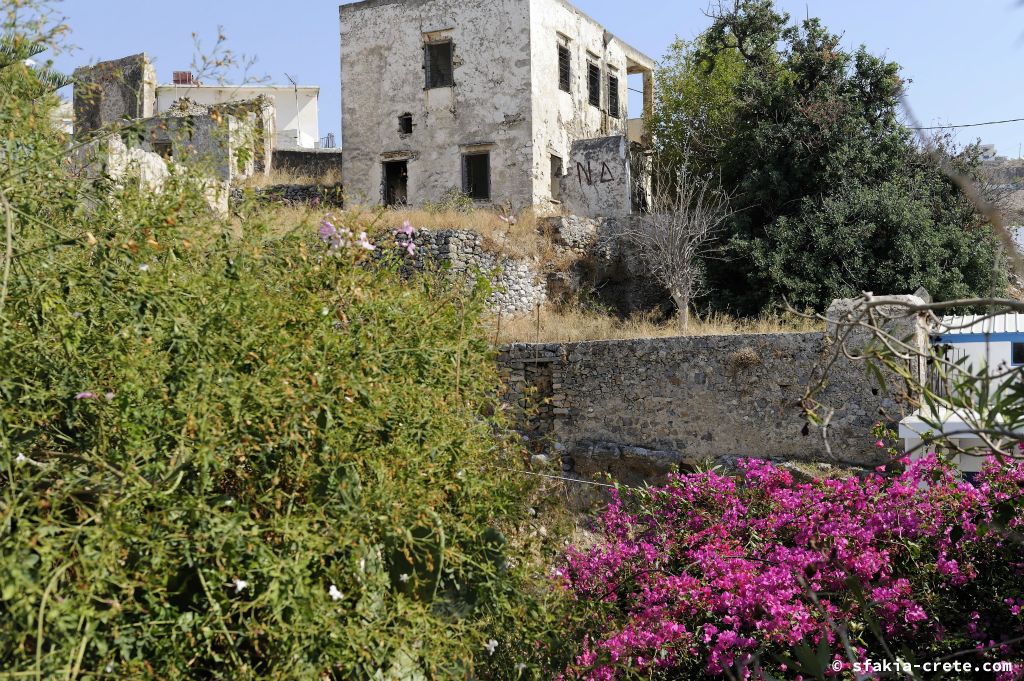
x=230, y=454
x=758, y=577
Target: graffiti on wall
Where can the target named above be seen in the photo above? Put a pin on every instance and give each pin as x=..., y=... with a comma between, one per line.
x=587, y=173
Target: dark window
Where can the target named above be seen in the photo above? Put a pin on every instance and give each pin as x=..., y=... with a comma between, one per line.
x=1018, y=353
x=594, y=84
x=556, y=178
x=476, y=176
x=405, y=124
x=437, y=63
x=613, y=96
x=564, y=68
x=164, y=149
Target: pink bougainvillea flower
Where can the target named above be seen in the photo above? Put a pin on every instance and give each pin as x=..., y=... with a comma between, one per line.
x=86, y=396
x=695, y=578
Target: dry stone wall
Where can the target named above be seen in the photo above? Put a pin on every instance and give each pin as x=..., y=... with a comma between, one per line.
x=293, y=194
x=638, y=409
x=517, y=286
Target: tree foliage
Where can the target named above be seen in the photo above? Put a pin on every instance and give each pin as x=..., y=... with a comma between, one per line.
x=833, y=194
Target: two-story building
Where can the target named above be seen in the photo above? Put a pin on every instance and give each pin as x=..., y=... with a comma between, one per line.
x=487, y=98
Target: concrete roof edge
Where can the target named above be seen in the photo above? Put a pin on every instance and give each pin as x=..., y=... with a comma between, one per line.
x=239, y=87
x=631, y=52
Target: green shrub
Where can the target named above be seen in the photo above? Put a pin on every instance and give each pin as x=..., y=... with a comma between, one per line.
x=227, y=455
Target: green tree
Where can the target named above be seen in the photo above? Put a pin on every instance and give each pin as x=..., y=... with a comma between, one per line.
x=833, y=194
x=696, y=106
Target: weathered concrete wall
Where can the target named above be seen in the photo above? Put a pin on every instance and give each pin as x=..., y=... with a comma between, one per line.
x=109, y=158
x=226, y=146
x=313, y=163
x=517, y=286
x=638, y=408
x=506, y=97
x=561, y=118
x=598, y=183
x=112, y=91
x=487, y=109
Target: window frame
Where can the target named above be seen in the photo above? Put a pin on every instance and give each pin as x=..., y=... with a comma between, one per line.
x=466, y=188
x=594, y=84
x=614, y=96
x=429, y=61
x=564, y=68
x=1014, y=345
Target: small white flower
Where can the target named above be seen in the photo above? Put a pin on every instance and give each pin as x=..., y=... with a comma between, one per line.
x=325, y=312
x=362, y=565
x=30, y=62
x=491, y=646
x=144, y=267
x=521, y=667
x=240, y=585
x=109, y=668
x=403, y=578
x=21, y=458
x=110, y=395
x=334, y=593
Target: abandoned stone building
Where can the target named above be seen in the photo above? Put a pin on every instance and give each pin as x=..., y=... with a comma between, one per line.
x=517, y=101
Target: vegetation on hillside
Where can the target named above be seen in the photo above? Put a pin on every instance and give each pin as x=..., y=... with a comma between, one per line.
x=833, y=194
x=232, y=453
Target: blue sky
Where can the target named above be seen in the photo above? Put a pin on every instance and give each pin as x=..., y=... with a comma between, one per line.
x=966, y=59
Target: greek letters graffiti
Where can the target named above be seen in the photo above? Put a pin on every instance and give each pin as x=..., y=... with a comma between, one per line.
x=587, y=173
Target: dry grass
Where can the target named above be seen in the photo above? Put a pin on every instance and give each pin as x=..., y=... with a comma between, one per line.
x=574, y=325
x=520, y=239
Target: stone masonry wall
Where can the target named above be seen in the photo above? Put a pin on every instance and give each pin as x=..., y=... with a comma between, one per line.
x=315, y=163
x=293, y=194
x=640, y=408
x=517, y=287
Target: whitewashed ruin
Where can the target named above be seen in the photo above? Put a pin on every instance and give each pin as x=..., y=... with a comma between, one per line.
x=490, y=99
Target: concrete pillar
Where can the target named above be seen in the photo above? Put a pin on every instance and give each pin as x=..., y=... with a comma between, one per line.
x=911, y=329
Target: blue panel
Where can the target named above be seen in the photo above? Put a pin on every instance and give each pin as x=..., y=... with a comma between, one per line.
x=957, y=339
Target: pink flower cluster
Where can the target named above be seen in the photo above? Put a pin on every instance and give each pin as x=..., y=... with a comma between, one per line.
x=713, y=575
x=337, y=238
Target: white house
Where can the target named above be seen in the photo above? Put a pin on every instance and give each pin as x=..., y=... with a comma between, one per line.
x=981, y=344
x=484, y=97
x=995, y=343
x=296, y=108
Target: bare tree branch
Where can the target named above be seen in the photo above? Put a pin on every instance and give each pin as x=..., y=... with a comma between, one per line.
x=687, y=214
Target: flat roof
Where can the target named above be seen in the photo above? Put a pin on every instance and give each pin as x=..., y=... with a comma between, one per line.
x=313, y=88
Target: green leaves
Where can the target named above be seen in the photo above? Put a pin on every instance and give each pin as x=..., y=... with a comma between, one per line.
x=833, y=196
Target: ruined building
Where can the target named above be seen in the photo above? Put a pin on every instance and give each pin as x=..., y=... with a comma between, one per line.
x=518, y=101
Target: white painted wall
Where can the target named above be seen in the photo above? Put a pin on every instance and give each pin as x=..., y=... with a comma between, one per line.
x=560, y=118
x=506, y=93
x=382, y=78
x=296, y=110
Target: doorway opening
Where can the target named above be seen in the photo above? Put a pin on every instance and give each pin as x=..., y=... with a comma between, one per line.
x=396, y=183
